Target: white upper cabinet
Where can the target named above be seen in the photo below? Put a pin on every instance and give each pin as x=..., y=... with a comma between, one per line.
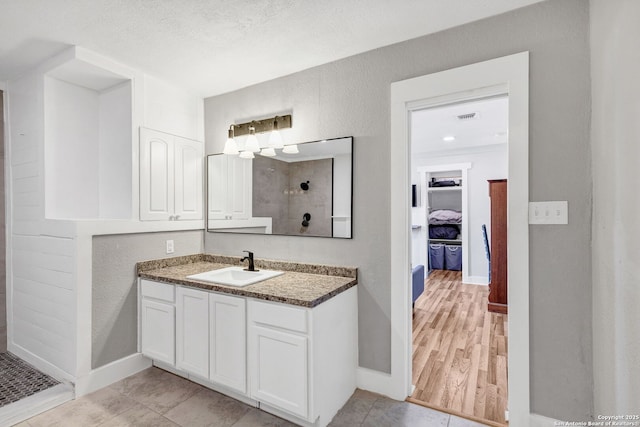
x=170, y=177
x=188, y=179
x=230, y=187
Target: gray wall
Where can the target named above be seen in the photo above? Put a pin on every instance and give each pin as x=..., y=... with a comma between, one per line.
x=114, y=290
x=351, y=97
x=616, y=248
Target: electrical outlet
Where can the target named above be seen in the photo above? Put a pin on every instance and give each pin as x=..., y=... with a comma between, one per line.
x=549, y=212
x=170, y=247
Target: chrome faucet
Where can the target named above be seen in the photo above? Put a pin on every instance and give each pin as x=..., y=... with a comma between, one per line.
x=250, y=258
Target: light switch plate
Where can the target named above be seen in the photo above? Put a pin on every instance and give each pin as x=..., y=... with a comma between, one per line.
x=170, y=247
x=549, y=212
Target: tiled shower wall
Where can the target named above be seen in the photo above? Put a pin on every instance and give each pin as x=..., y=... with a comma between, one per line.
x=277, y=194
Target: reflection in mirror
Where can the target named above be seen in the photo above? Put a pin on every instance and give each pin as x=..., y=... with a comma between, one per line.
x=302, y=194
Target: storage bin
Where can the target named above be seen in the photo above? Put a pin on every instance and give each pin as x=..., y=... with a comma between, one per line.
x=436, y=256
x=453, y=257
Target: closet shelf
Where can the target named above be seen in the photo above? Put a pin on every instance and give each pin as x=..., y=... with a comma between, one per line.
x=437, y=189
x=448, y=241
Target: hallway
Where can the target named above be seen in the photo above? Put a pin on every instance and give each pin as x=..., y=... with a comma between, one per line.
x=459, y=349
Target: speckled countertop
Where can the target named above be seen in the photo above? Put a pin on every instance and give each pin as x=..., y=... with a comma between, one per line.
x=306, y=285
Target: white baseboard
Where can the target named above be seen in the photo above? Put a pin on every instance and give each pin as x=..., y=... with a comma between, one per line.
x=40, y=364
x=476, y=280
x=111, y=373
x=31, y=406
x=375, y=381
x=536, y=420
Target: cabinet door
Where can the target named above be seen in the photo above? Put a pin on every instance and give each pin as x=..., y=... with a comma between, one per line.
x=188, y=179
x=239, y=191
x=157, y=331
x=278, y=369
x=227, y=334
x=217, y=187
x=192, y=331
x=156, y=175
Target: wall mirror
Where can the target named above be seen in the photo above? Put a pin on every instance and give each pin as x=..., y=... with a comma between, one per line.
x=308, y=193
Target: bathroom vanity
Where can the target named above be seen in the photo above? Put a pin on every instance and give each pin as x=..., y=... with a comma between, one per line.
x=287, y=344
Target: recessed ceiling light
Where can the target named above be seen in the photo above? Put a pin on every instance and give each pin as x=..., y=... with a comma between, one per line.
x=449, y=138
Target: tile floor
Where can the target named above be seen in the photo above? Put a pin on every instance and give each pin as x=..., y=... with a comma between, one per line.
x=156, y=398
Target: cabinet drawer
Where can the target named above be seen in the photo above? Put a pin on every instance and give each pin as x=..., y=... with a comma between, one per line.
x=157, y=290
x=278, y=315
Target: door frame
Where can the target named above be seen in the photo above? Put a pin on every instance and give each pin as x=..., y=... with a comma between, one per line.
x=506, y=75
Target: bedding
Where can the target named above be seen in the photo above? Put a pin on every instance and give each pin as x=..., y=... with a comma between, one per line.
x=443, y=231
x=445, y=216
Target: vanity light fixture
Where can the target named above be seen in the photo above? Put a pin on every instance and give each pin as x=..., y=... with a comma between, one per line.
x=272, y=125
x=247, y=155
x=268, y=152
x=252, y=142
x=230, y=147
x=275, y=139
x=449, y=138
x=291, y=149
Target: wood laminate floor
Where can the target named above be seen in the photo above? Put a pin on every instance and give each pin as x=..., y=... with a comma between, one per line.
x=459, y=349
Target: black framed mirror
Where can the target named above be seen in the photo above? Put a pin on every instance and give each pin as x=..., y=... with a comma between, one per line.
x=308, y=193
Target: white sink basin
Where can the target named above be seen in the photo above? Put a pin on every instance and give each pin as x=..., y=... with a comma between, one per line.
x=235, y=276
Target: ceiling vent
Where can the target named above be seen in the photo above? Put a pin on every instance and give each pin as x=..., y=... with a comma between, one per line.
x=469, y=116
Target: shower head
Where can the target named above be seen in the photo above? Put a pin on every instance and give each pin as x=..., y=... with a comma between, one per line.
x=304, y=185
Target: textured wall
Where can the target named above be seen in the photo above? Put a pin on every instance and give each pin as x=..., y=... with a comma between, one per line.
x=351, y=97
x=114, y=291
x=616, y=248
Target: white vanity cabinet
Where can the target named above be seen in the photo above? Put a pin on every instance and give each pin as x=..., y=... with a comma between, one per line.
x=170, y=177
x=157, y=321
x=303, y=360
x=230, y=187
x=227, y=341
x=298, y=363
x=192, y=331
x=278, y=339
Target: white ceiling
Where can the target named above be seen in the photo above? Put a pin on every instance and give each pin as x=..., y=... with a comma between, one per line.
x=489, y=127
x=215, y=46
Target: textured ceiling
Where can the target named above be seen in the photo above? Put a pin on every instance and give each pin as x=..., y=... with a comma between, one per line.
x=215, y=46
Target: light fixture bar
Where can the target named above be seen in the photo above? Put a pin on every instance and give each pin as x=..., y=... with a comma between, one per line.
x=264, y=125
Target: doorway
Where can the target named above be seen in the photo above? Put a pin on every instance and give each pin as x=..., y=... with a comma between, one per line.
x=459, y=352
x=506, y=75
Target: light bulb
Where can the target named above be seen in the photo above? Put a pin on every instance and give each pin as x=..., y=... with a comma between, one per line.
x=247, y=155
x=268, y=152
x=252, y=142
x=275, y=139
x=291, y=149
x=230, y=147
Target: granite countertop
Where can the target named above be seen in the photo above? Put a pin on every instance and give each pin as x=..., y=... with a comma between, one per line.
x=305, y=285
